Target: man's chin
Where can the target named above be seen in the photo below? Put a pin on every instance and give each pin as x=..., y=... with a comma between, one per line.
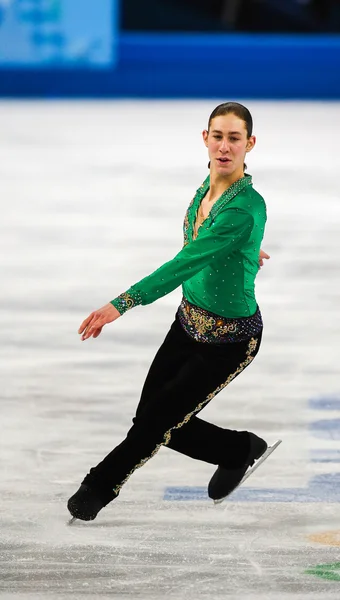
x=225, y=170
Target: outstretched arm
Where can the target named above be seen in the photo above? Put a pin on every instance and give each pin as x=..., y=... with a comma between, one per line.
x=225, y=236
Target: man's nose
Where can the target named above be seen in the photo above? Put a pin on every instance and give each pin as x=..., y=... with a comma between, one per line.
x=224, y=146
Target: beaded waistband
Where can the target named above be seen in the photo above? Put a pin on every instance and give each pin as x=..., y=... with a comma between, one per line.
x=204, y=326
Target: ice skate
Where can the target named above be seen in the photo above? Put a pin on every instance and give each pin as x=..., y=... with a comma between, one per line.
x=84, y=504
x=225, y=481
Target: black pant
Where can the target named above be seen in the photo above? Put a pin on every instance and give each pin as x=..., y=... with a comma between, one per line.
x=184, y=376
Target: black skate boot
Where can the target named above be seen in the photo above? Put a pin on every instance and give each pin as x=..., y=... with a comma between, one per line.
x=224, y=481
x=85, y=504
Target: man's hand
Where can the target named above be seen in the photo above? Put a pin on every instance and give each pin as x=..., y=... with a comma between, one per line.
x=93, y=325
x=263, y=255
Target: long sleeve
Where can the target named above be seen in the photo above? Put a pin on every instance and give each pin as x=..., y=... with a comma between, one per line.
x=231, y=229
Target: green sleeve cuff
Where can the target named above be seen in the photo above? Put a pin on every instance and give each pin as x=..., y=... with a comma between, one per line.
x=127, y=300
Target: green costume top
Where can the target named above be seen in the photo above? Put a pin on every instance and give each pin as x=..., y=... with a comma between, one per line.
x=217, y=270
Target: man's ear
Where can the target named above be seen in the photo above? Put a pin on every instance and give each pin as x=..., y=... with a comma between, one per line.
x=251, y=143
x=205, y=137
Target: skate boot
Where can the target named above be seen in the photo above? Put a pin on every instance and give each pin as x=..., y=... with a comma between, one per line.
x=224, y=481
x=84, y=504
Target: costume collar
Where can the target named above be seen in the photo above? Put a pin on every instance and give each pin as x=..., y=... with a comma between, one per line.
x=229, y=193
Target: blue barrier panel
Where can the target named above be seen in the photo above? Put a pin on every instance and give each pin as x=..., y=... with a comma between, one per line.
x=197, y=66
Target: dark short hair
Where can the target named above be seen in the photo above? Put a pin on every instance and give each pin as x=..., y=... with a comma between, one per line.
x=236, y=109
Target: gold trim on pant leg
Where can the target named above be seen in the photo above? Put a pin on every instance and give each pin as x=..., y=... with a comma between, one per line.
x=167, y=436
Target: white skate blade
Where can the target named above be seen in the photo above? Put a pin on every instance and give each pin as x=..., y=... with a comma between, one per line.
x=251, y=470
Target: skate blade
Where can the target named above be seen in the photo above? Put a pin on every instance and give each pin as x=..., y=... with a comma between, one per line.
x=251, y=470
x=71, y=521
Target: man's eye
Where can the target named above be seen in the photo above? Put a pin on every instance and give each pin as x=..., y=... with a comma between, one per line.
x=217, y=137
x=234, y=139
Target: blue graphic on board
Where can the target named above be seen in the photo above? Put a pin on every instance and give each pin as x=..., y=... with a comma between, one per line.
x=326, y=429
x=58, y=33
x=321, y=488
x=325, y=403
x=325, y=455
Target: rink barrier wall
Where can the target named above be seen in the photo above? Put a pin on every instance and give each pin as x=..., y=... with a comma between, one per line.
x=305, y=67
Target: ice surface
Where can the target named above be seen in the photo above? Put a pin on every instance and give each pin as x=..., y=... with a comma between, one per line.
x=93, y=197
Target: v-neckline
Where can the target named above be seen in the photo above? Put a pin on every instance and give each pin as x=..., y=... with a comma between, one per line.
x=225, y=197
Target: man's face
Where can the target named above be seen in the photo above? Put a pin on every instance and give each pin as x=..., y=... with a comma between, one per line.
x=227, y=144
